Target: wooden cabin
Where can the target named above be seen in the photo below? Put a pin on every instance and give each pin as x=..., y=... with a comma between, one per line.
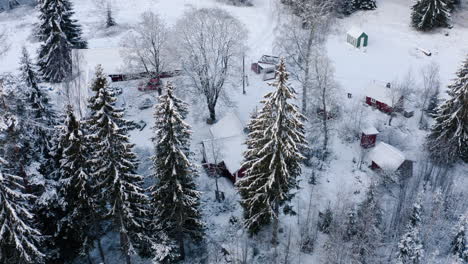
x=357, y=37
x=368, y=136
x=384, y=157
x=383, y=98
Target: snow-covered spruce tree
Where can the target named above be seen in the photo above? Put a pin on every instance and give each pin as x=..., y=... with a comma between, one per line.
x=410, y=247
x=448, y=140
x=19, y=239
x=174, y=198
x=429, y=14
x=460, y=243
x=59, y=34
x=78, y=227
x=42, y=117
x=62, y=11
x=346, y=7
x=364, y=4
x=114, y=167
x=273, y=156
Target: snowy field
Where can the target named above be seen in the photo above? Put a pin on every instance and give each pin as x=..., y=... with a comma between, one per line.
x=390, y=55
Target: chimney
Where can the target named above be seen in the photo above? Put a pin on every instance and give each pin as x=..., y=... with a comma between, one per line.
x=388, y=85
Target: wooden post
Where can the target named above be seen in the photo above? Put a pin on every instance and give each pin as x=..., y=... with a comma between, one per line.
x=243, y=73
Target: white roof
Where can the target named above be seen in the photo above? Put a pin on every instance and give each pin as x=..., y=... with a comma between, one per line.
x=227, y=143
x=111, y=59
x=380, y=93
x=229, y=150
x=386, y=156
x=369, y=130
x=266, y=65
x=355, y=32
x=229, y=126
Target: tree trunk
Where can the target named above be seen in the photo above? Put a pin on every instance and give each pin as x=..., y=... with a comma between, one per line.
x=125, y=248
x=89, y=257
x=211, y=109
x=101, y=251
x=325, y=125
x=274, y=237
x=305, y=85
x=180, y=239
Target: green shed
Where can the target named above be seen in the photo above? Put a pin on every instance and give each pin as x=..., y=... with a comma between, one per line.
x=357, y=37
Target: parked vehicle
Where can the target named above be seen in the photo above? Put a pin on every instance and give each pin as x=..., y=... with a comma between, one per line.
x=151, y=85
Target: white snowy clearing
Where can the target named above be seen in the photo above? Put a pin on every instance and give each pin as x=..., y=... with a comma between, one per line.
x=393, y=49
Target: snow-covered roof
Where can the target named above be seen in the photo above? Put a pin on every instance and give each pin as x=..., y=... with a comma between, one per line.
x=379, y=92
x=229, y=150
x=355, y=32
x=227, y=142
x=229, y=126
x=386, y=156
x=369, y=130
x=266, y=65
x=111, y=59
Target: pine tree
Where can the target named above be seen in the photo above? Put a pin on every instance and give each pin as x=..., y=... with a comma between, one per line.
x=174, y=197
x=273, y=156
x=364, y=5
x=453, y=4
x=114, y=166
x=410, y=247
x=428, y=14
x=448, y=139
x=78, y=225
x=346, y=7
x=60, y=34
x=19, y=239
x=459, y=243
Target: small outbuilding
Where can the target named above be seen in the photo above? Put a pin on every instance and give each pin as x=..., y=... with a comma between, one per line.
x=387, y=158
x=357, y=37
x=368, y=136
x=266, y=65
x=383, y=98
x=223, y=152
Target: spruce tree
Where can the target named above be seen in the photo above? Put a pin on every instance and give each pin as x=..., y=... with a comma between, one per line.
x=273, y=156
x=410, y=247
x=459, y=242
x=42, y=117
x=429, y=14
x=59, y=34
x=364, y=5
x=63, y=11
x=78, y=227
x=174, y=198
x=110, y=22
x=19, y=239
x=448, y=140
x=114, y=166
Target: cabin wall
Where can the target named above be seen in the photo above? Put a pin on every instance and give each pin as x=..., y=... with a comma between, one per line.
x=368, y=141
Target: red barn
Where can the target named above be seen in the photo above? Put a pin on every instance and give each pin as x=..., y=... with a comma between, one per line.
x=387, y=158
x=223, y=153
x=383, y=98
x=368, y=136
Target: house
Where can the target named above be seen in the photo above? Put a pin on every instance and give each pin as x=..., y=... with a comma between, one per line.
x=357, y=37
x=223, y=152
x=383, y=97
x=266, y=65
x=387, y=158
x=368, y=136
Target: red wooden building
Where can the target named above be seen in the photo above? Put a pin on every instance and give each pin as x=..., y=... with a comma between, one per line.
x=368, y=136
x=223, y=152
x=383, y=98
x=387, y=158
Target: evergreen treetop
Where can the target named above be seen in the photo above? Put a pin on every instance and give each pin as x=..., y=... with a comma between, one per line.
x=429, y=14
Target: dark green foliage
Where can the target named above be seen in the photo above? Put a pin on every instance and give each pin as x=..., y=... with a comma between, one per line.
x=459, y=243
x=429, y=14
x=114, y=167
x=273, y=156
x=174, y=198
x=448, y=140
x=325, y=220
x=59, y=34
x=19, y=239
x=364, y=4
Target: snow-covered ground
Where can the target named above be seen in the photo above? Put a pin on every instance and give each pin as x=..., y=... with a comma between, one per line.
x=390, y=54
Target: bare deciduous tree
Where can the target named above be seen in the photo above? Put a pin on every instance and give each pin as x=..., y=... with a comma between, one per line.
x=431, y=84
x=4, y=44
x=146, y=48
x=300, y=36
x=210, y=45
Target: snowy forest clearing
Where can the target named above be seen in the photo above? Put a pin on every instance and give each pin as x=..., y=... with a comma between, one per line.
x=342, y=180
